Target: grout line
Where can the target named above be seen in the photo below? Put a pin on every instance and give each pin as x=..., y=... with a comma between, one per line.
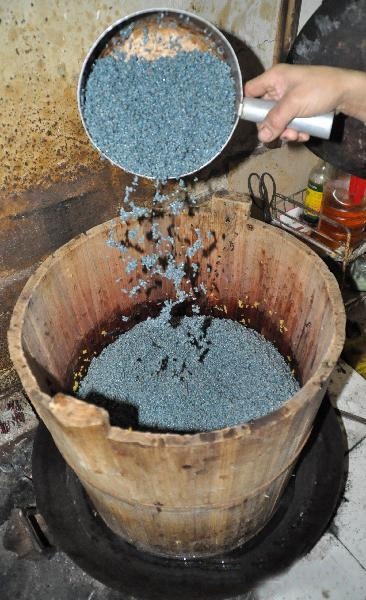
x=355, y=445
x=349, y=551
x=352, y=416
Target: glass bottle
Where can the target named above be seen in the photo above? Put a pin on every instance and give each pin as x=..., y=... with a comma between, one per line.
x=318, y=176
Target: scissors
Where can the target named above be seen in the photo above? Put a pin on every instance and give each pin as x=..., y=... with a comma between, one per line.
x=262, y=199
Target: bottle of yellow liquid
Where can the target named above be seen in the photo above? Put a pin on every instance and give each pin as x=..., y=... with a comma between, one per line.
x=319, y=175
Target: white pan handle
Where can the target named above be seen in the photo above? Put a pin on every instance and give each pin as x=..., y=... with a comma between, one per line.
x=256, y=110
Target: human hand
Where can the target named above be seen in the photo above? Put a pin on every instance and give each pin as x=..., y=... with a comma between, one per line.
x=303, y=91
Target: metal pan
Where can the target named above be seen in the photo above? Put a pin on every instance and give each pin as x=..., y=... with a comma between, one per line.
x=148, y=34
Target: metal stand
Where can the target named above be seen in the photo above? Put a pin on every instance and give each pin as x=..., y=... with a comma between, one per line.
x=287, y=213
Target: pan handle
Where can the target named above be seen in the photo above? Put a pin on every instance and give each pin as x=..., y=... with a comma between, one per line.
x=256, y=110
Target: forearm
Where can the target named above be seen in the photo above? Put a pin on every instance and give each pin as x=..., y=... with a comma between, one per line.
x=353, y=98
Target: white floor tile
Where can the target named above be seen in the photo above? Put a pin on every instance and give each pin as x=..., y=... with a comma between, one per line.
x=355, y=431
x=347, y=390
x=336, y=567
x=329, y=571
x=350, y=520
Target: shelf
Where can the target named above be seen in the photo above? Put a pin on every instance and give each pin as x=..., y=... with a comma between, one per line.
x=287, y=213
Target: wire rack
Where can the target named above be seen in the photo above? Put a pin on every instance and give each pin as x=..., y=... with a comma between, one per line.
x=287, y=213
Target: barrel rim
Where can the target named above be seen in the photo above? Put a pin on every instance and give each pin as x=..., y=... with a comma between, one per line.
x=315, y=384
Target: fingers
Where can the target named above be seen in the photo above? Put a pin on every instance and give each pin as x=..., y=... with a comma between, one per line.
x=303, y=137
x=272, y=83
x=295, y=96
x=278, y=118
x=290, y=135
x=259, y=86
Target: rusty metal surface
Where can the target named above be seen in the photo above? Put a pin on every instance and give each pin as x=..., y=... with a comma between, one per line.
x=44, y=43
x=53, y=184
x=42, y=139
x=336, y=36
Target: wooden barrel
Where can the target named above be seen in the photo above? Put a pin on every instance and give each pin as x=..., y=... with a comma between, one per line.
x=181, y=495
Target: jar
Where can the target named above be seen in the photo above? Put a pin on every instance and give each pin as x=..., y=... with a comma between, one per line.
x=345, y=203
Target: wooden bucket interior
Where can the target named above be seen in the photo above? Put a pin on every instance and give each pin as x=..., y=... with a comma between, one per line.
x=252, y=273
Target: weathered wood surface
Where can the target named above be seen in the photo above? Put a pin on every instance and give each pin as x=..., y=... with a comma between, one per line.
x=171, y=494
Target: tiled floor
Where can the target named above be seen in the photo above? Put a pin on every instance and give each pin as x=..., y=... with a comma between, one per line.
x=336, y=567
